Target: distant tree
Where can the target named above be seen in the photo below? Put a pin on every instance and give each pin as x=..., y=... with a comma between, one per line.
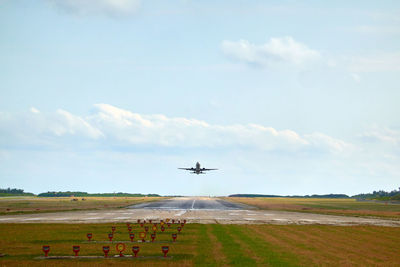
x=380, y=195
x=13, y=191
x=306, y=196
x=85, y=194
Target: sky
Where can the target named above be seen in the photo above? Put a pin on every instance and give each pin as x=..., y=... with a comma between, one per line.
x=283, y=97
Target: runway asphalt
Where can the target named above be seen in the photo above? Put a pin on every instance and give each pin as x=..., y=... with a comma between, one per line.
x=192, y=203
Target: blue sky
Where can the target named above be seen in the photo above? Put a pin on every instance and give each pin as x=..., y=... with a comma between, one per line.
x=285, y=97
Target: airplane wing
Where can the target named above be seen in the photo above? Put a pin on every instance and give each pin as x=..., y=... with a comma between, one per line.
x=187, y=169
x=204, y=169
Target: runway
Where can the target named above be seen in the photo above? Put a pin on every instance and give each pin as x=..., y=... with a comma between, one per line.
x=195, y=210
x=192, y=203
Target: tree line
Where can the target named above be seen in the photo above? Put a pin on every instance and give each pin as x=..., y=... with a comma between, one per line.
x=20, y=192
x=306, y=196
x=378, y=195
x=14, y=192
x=85, y=194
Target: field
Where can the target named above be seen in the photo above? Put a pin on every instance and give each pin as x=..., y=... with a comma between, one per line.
x=20, y=205
x=349, y=207
x=206, y=244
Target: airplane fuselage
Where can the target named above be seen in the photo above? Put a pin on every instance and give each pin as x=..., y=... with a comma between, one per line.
x=198, y=170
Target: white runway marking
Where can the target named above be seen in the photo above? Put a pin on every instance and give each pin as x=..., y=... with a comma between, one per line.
x=180, y=213
x=122, y=218
x=162, y=208
x=193, y=204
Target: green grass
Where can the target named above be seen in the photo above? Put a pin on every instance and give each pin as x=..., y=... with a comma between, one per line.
x=325, y=206
x=354, y=205
x=204, y=246
x=26, y=205
x=266, y=251
x=231, y=249
x=207, y=245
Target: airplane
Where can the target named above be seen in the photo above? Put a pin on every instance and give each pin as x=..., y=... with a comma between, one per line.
x=197, y=170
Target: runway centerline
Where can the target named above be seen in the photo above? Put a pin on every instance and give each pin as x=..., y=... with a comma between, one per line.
x=192, y=203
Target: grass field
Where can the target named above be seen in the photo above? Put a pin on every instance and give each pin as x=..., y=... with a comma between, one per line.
x=19, y=205
x=325, y=206
x=212, y=245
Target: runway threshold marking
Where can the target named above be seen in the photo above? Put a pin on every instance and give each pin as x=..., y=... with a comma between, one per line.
x=180, y=213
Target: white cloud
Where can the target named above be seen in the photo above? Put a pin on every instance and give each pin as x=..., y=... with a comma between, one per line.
x=286, y=52
x=381, y=62
x=98, y=7
x=34, y=110
x=328, y=143
x=68, y=124
x=38, y=128
x=276, y=50
x=383, y=134
x=114, y=126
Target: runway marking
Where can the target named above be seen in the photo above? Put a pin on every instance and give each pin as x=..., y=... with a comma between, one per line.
x=162, y=208
x=180, y=213
x=121, y=218
x=174, y=208
x=193, y=204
